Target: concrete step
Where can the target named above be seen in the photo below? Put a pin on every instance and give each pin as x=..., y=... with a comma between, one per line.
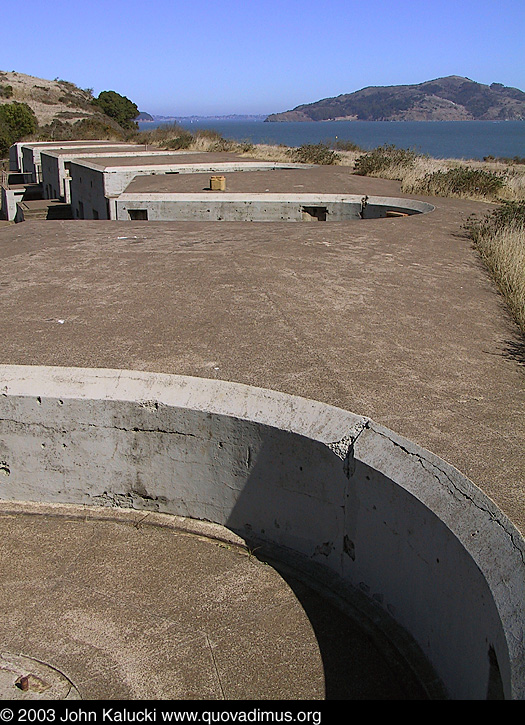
x=44, y=209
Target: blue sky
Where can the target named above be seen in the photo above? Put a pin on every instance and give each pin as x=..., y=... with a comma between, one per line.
x=242, y=56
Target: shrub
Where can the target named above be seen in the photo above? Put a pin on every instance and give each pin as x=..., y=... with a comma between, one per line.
x=383, y=157
x=184, y=141
x=159, y=135
x=66, y=84
x=17, y=120
x=209, y=134
x=6, y=91
x=319, y=153
x=463, y=182
x=5, y=140
x=95, y=128
x=506, y=159
x=509, y=215
x=118, y=107
x=222, y=144
x=86, y=128
x=245, y=147
x=346, y=146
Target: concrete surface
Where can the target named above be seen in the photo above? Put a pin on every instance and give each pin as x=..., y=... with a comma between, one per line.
x=31, y=151
x=166, y=159
x=55, y=174
x=94, y=183
x=396, y=319
x=265, y=207
x=359, y=508
x=88, y=593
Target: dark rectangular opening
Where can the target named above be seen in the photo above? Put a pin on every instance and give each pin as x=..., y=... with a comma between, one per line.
x=314, y=213
x=138, y=214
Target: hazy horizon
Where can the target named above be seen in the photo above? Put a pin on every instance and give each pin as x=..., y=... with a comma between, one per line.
x=237, y=58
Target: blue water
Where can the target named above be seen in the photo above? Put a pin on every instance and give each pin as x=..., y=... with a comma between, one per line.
x=440, y=139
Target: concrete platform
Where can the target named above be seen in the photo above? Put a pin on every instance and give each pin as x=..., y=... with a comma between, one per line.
x=131, y=606
x=395, y=319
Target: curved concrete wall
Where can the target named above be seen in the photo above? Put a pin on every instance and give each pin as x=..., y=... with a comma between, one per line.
x=376, y=512
x=264, y=207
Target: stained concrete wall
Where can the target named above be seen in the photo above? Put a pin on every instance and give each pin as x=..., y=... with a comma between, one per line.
x=97, y=187
x=261, y=206
x=15, y=157
x=88, y=192
x=376, y=512
x=26, y=155
x=55, y=172
x=10, y=198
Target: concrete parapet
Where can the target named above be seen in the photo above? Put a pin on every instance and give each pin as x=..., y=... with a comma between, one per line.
x=376, y=513
x=267, y=207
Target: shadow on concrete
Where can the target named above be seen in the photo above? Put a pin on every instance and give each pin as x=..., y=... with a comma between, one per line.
x=59, y=211
x=515, y=350
x=356, y=666
x=359, y=660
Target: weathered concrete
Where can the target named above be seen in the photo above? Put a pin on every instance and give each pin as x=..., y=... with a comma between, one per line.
x=342, y=493
x=55, y=165
x=25, y=156
x=88, y=592
x=10, y=198
x=16, y=150
x=394, y=319
x=95, y=184
x=263, y=207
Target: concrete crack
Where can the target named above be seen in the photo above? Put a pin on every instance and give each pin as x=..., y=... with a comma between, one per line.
x=135, y=429
x=454, y=489
x=223, y=696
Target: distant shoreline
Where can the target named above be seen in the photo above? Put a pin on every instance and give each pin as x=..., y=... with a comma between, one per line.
x=190, y=119
x=266, y=119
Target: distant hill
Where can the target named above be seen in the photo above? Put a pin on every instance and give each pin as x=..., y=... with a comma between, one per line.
x=57, y=104
x=49, y=100
x=444, y=99
x=143, y=116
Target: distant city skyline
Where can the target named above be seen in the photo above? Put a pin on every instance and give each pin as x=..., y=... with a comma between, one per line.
x=233, y=57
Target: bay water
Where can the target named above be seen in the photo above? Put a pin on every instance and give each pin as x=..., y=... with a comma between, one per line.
x=439, y=139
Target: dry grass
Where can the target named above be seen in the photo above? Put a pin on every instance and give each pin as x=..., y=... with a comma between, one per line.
x=418, y=174
x=504, y=254
x=500, y=240
x=469, y=179
x=203, y=140
x=268, y=152
x=48, y=99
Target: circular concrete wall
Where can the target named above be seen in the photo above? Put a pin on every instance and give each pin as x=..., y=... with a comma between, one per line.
x=264, y=207
x=364, y=510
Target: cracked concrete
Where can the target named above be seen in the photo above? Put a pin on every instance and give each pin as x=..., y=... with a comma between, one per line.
x=395, y=320
x=291, y=482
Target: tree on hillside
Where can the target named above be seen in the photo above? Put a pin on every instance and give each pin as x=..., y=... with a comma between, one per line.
x=17, y=120
x=118, y=107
